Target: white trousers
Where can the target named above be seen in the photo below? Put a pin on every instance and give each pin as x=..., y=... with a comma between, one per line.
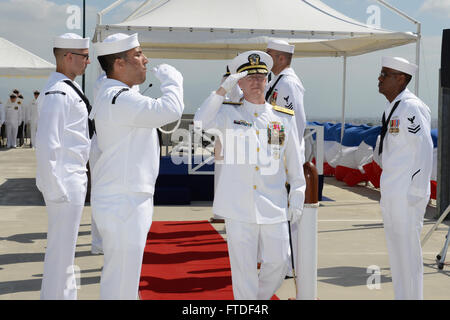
x=33, y=129
x=244, y=240
x=59, y=281
x=96, y=242
x=123, y=221
x=403, y=224
x=11, y=134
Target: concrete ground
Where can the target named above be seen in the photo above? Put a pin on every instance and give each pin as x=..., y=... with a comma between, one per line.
x=350, y=239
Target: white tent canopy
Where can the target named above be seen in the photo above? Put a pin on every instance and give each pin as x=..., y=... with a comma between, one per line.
x=213, y=29
x=218, y=29
x=18, y=62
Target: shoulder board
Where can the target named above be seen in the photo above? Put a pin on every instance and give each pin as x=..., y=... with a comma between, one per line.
x=55, y=92
x=233, y=103
x=284, y=110
x=118, y=94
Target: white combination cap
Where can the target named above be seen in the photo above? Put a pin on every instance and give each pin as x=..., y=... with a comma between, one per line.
x=251, y=61
x=115, y=43
x=280, y=45
x=399, y=64
x=70, y=41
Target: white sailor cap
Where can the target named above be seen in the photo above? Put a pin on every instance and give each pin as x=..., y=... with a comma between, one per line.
x=115, y=43
x=252, y=62
x=280, y=45
x=399, y=64
x=70, y=41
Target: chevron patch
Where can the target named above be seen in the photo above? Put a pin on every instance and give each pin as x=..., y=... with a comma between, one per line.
x=414, y=129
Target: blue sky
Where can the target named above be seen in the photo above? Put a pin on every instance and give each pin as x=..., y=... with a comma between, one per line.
x=31, y=24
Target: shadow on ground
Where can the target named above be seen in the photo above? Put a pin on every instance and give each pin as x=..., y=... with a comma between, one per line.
x=20, y=192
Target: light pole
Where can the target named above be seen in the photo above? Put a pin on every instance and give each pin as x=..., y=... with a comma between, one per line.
x=84, y=36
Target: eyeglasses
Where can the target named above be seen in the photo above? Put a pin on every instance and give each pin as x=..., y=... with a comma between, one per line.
x=384, y=74
x=85, y=55
x=255, y=77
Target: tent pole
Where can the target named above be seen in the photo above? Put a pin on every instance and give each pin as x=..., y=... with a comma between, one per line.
x=344, y=80
x=416, y=87
x=106, y=10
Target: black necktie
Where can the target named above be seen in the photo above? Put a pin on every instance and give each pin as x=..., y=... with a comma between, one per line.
x=384, y=126
x=269, y=92
x=91, y=123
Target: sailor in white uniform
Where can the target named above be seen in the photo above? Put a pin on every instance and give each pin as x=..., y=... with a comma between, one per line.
x=62, y=150
x=406, y=151
x=285, y=88
x=124, y=175
x=261, y=152
x=33, y=118
x=12, y=120
x=96, y=239
x=2, y=122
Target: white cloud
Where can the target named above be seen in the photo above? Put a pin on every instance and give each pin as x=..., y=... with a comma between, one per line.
x=440, y=7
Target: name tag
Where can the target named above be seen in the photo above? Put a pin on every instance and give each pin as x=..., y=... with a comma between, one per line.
x=242, y=123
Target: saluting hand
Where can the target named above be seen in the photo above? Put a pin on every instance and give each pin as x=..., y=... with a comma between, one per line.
x=231, y=81
x=165, y=72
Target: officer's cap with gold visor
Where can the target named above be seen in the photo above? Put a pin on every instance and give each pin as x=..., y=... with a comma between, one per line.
x=254, y=62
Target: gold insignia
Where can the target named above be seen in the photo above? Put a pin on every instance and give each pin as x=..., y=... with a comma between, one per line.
x=233, y=103
x=283, y=110
x=254, y=59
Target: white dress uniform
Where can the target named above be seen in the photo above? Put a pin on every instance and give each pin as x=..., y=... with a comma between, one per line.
x=62, y=151
x=96, y=239
x=407, y=159
x=33, y=112
x=12, y=120
x=286, y=90
x=2, y=114
x=2, y=121
x=124, y=176
x=251, y=193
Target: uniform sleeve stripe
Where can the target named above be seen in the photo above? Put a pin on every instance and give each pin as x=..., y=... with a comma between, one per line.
x=55, y=92
x=414, y=130
x=415, y=174
x=118, y=94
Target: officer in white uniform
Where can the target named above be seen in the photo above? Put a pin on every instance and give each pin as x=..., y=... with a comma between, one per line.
x=62, y=150
x=12, y=120
x=33, y=118
x=124, y=176
x=406, y=151
x=286, y=89
x=234, y=97
x=261, y=152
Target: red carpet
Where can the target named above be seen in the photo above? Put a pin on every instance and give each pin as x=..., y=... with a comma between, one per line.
x=185, y=260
